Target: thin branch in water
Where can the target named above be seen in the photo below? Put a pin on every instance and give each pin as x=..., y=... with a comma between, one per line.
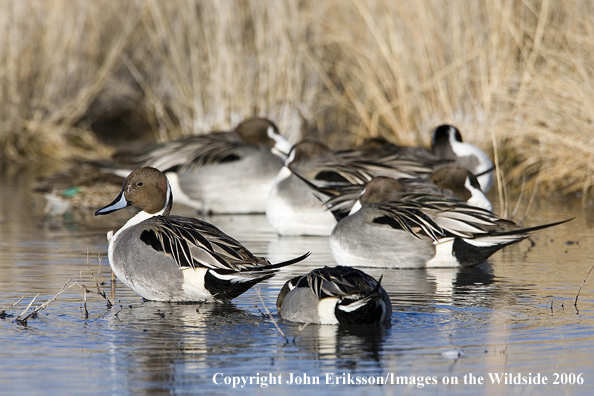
x=3, y=311
x=100, y=290
x=112, y=285
x=85, y=303
x=259, y=310
x=270, y=316
x=23, y=321
x=18, y=301
x=84, y=298
x=580, y=289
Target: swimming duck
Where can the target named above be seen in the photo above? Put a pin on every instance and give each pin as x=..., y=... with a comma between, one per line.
x=293, y=207
x=394, y=229
x=334, y=295
x=463, y=184
x=452, y=182
x=446, y=143
x=220, y=172
x=173, y=258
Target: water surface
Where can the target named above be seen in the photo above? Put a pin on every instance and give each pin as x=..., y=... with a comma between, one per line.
x=514, y=314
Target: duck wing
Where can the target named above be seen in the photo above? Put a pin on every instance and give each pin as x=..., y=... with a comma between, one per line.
x=338, y=282
x=194, y=243
x=193, y=152
x=429, y=216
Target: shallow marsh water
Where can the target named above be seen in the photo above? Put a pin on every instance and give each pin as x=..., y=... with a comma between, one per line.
x=514, y=314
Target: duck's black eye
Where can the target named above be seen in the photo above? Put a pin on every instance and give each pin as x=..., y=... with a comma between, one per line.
x=138, y=184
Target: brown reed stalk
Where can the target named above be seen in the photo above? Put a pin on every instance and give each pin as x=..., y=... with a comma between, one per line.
x=517, y=73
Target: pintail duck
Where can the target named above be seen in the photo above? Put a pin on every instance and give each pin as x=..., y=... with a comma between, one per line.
x=446, y=143
x=220, y=172
x=463, y=184
x=451, y=182
x=379, y=146
x=293, y=208
x=334, y=295
x=173, y=258
x=394, y=229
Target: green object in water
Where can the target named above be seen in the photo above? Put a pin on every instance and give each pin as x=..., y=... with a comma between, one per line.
x=71, y=191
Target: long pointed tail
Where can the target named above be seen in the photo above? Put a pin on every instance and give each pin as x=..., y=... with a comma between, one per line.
x=288, y=262
x=530, y=229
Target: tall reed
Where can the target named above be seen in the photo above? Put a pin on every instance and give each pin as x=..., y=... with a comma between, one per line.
x=56, y=56
x=513, y=76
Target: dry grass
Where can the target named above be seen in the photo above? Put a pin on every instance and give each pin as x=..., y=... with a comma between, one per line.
x=514, y=75
x=56, y=58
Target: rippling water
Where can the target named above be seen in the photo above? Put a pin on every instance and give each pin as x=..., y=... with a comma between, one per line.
x=514, y=314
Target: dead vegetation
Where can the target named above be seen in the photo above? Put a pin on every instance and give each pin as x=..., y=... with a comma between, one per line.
x=31, y=311
x=515, y=77
x=578, y=293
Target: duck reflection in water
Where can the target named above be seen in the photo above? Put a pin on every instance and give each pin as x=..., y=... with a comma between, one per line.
x=153, y=339
x=348, y=345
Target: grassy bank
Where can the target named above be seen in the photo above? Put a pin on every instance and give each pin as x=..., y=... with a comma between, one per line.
x=515, y=77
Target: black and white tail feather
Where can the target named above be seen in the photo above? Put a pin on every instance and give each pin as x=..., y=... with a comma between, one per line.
x=427, y=216
x=192, y=243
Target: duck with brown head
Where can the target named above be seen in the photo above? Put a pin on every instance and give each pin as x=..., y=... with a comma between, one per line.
x=295, y=202
x=173, y=258
x=392, y=228
x=446, y=143
x=219, y=172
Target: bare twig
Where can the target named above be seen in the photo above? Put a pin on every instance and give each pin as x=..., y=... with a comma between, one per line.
x=100, y=290
x=15, y=304
x=580, y=289
x=18, y=301
x=119, y=310
x=112, y=285
x=84, y=289
x=259, y=310
x=23, y=320
x=3, y=313
x=270, y=316
x=23, y=317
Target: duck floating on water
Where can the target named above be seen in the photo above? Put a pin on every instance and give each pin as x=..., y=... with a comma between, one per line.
x=334, y=295
x=220, y=172
x=173, y=258
x=391, y=228
x=446, y=143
